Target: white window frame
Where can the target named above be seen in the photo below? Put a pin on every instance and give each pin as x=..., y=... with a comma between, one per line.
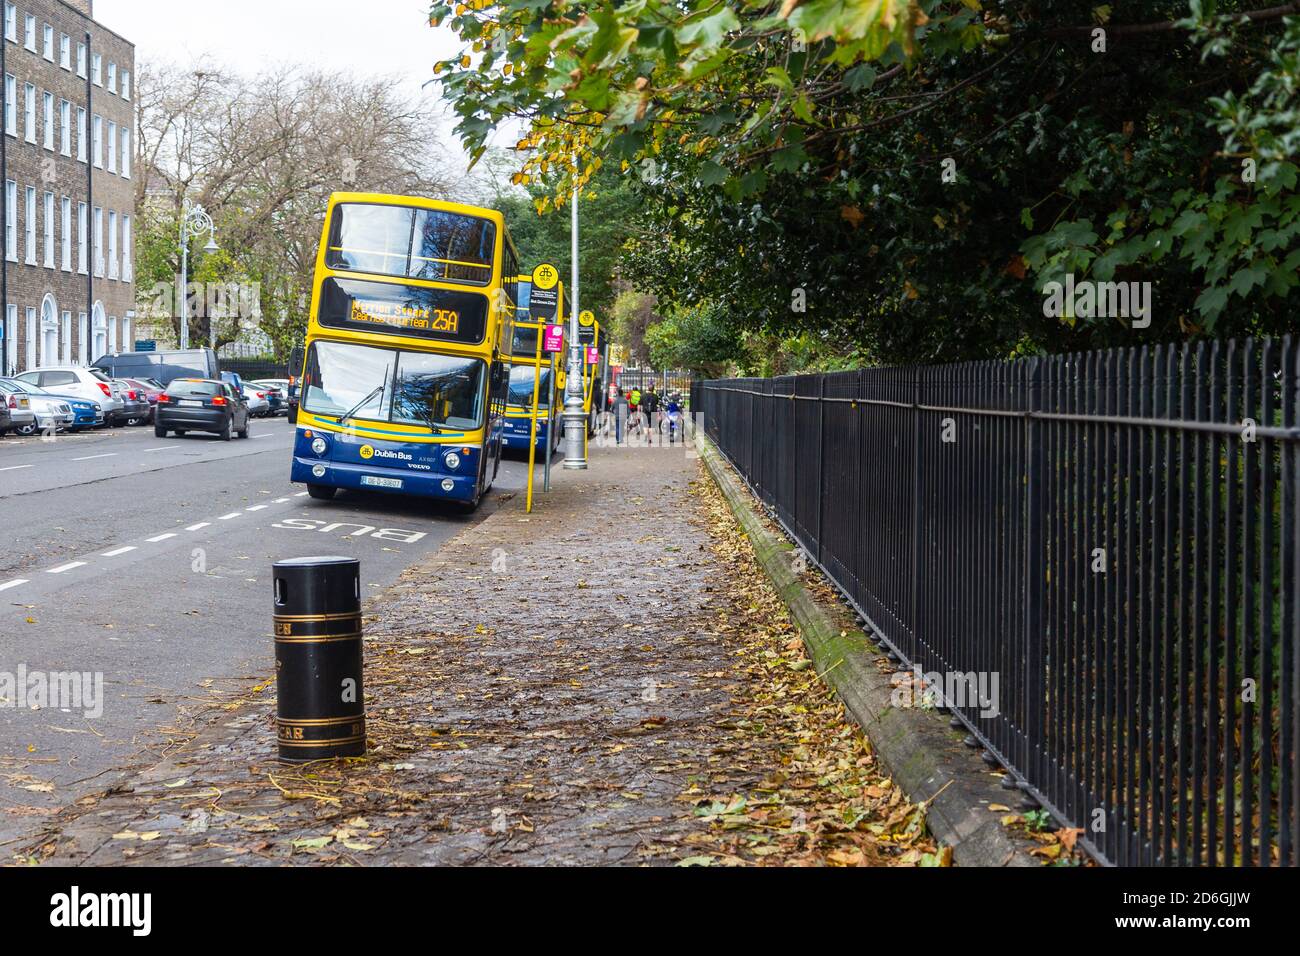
x=83, y=238
x=126, y=152
x=66, y=219
x=112, y=77
x=29, y=113
x=128, y=264
x=126, y=85
x=8, y=359
x=81, y=60
x=29, y=33
x=82, y=154
x=114, y=266
x=31, y=339
x=11, y=220
x=65, y=52
x=97, y=69
x=83, y=338
x=11, y=22
x=112, y=147
x=97, y=240
x=97, y=141
x=11, y=104
x=50, y=243
x=65, y=127
x=48, y=112
x=29, y=225
x=47, y=44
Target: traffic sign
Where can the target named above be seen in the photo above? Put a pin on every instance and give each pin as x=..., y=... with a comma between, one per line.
x=587, y=319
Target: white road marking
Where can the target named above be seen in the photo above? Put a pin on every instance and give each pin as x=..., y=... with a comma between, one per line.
x=230, y=517
x=280, y=501
x=259, y=508
x=256, y=437
x=118, y=553
x=302, y=494
x=150, y=451
x=160, y=538
x=96, y=457
x=17, y=468
x=13, y=584
x=67, y=567
x=200, y=526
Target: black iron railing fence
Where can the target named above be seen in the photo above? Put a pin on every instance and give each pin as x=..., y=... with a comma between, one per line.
x=1113, y=536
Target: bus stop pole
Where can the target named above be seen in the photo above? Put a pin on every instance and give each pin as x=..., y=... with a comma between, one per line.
x=550, y=427
x=532, y=429
x=574, y=418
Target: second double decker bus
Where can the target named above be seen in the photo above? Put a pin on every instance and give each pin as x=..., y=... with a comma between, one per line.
x=524, y=376
x=404, y=380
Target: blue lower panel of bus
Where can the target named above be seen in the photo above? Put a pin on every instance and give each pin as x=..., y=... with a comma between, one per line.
x=518, y=430
x=403, y=468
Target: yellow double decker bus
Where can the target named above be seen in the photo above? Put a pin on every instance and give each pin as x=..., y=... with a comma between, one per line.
x=404, y=381
x=525, y=376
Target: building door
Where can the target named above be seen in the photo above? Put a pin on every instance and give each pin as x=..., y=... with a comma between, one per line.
x=99, y=333
x=49, y=332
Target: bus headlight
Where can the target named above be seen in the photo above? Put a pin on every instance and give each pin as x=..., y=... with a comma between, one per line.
x=320, y=446
x=452, y=460
x=319, y=471
x=448, y=485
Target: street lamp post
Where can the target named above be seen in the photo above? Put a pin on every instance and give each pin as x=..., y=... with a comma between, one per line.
x=194, y=222
x=575, y=416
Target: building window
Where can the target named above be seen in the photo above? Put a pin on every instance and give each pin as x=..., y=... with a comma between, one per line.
x=11, y=323
x=48, y=45
x=49, y=121
x=112, y=147
x=29, y=125
x=31, y=338
x=97, y=69
x=11, y=105
x=81, y=60
x=98, y=234
x=11, y=23
x=128, y=266
x=83, y=236
x=112, y=78
x=11, y=220
x=65, y=51
x=65, y=332
x=97, y=141
x=65, y=127
x=126, y=85
x=126, y=153
x=114, y=269
x=49, y=231
x=29, y=32
x=67, y=234
x=83, y=339
x=81, y=134
x=30, y=225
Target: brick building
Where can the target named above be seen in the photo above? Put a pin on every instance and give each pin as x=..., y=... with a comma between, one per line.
x=68, y=203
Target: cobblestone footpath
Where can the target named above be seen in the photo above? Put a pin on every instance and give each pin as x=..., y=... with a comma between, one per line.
x=560, y=688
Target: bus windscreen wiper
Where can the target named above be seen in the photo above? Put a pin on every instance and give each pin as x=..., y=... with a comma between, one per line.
x=378, y=390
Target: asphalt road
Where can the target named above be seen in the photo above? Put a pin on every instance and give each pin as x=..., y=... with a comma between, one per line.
x=148, y=561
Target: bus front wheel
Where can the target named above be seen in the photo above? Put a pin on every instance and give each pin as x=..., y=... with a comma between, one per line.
x=321, y=492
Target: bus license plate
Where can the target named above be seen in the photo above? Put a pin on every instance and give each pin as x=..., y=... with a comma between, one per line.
x=381, y=482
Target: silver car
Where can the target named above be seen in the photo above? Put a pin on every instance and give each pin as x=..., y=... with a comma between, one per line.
x=51, y=413
x=21, y=418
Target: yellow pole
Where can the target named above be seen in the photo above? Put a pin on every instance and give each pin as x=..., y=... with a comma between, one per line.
x=532, y=441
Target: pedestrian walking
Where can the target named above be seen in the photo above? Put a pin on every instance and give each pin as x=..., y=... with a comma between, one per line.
x=621, y=410
x=650, y=406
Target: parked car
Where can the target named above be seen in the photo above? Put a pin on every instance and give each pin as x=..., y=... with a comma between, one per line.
x=151, y=390
x=51, y=412
x=89, y=384
x=18, y=408
x=86, y=414
x=276, y=391
x=257, y=403
x=136, y=409
x=201, y=405
x=164, y=367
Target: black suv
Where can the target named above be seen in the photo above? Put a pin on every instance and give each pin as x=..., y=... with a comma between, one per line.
x=201, y=405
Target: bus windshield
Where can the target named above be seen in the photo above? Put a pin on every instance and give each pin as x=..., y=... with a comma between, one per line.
x=406, y=242
x=522, y=378
x=388, y=385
